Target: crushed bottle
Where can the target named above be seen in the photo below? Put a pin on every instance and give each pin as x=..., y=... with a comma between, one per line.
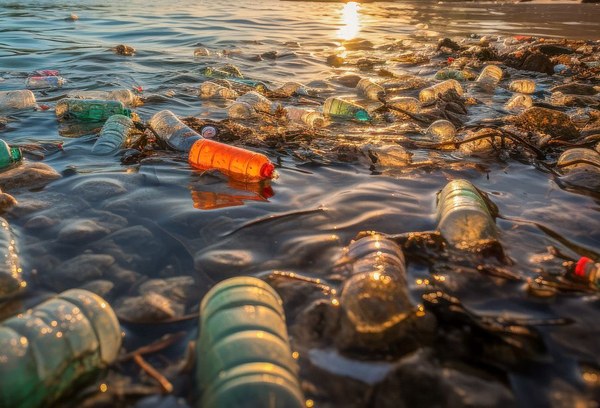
x=292, y=89
x=125, y=96
x=11, y=274
x=55, y=347
x=21, y=99
x=519, y=101
x=579, y=160
x=431, y=93
x=210, y=90
x=524, y=86
x=89, y=110
x=258, y=102
x=406, y=103
x=307, y=117
x=588, y=270
x=9, y=155
x=489, y=78
x=114, y=135
x=43, y=82
x=441, y=131
x=464, y=219
x=340, y=108
x=244, y=355
x=370, y=90
x=173, y=131
x=449, y=73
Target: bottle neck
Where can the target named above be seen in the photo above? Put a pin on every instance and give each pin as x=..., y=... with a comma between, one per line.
x=16, y=154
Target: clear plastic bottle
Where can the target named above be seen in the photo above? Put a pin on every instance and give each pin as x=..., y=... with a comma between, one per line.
x=55, y=347
x=489, y=78
x=524, y=86
x=42, y=82
x=244, y=355
x=370, y=90
x=588, y=270
x=125, y=96
x=307, y=117
x=292, y=88
x=89, y=110
x=240, y=110
x=441, y=131
x=22, y=99
x=114, y=135
x=431, y=93
x=173, y=131
x=209, y=90
x=258, y=102
x=519, y=101
x=9, y=155
x=579, y=160
x=221, y=73
x=464, y=219
x=406, y=103
x=449, y=73
x=11, y=274
x=340, y=108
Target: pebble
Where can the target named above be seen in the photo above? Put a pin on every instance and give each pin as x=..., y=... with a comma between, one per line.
x=81, y=231
x=201, y=52
x=40, y=222
x=554, y=123
x=123, y=49
x=7, y=201
x=179, y=288
x=78, y=270
x=148, y=308
x=28, y=175
x=100, y=287
x=335, y=61
x=575, y=88
x=94, y=189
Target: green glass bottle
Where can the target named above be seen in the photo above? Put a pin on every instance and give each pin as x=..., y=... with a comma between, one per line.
x=9, y=155
x=339, y=108
x=90, y=110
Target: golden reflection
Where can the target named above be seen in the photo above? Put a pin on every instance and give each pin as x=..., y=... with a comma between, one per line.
x=211, y=197
x=351, y=21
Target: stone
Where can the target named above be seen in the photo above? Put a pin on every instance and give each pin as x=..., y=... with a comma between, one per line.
x=28, y=176
x=78, y=270
x=554, y=123
x=530, y=61
x=575, y=88
x=40, y=222
x=95, y=189
x=123, y=49
x=553, y=49
x=182, y=289
x=335, y=61
x=148, y=308
x=100, y=287
x=81, y=231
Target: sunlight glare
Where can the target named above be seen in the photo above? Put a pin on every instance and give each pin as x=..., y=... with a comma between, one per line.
x=351, y=21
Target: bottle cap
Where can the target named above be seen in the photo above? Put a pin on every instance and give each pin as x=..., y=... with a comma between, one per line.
x=209, y=131
x=267, y=170
x=16, y=154
x=580, y=266
x=362, y=115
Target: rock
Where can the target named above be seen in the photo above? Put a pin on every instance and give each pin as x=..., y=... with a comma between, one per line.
x=357, y=44
x=7, y=201
x=201, y=52
x=530, y=61
x=335, y=61
x=448, y=43
x=94, y=189
x=269, y=55
x=553, y=49
x=182, y=289
x=28, y=175
x=123, y=49
x=554, y=123
x=349, y=80
x=149, y=308
x=78, y=270
x=72, y=17
x=575, y=88
x=223, y=261
x=40, y=222
x=100, y=287
x=81, y=231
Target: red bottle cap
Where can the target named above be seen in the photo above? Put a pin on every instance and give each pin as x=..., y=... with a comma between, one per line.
x=266, y=171
x=580, y=266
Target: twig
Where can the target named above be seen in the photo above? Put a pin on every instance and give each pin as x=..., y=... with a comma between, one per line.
x=165, y=385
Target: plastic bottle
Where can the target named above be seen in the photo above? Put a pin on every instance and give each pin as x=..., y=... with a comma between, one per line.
x=11, y=274
x=221, y=73
x=174, y=132
x=240, y=110
x=114, y=134
x=22, y=99
x=46, y=72
x=258, y=102
x=9, y=155
x=210, y=90
x=406, y=103
x=579, y=160
x=55, y=347
x=244, y=356
x=464, y=219
x=449, y=73
x=524, y=86
x=441, y=131
x=307, y=117
x=256, y=85
x=370, y=90
x=292, y=88
x=431, y=93
x=588, y=270
x=237, y=163
x=519, y=101
x=90, y=110
x=40, y=82
x=125, y=96
x=489, y=77
x=340, y=108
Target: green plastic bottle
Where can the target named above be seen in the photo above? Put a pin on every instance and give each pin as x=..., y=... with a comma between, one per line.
x=336, y=107
x=114, y=134
x=243, y=353
x=9, y=155
x=11, y=274
x=90, y=110
x=55, y=347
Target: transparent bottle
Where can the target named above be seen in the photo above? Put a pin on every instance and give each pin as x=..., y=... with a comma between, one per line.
x=441, y=131
x=55, y=347
x=340, y=108
x=406, y=103
x=89, y=110
x=114, y=135
x=431, y=93
x=240, y=110
x=42, y=82
x=173, y=131
x=449, y=73
x=307, y=117
x=221, y=73
x=519, y=101
x=489, y=78
x=243, y=351
x=579, y=160
x=370, y=90
x=464, y=219
x=125, y=96
x=11, y=274
x=588, y=270
x=524, y=86
x=258, y=102
x=9, y=155
x=292, y=88
x=258, y=86
x=235, y=162
x=21, y=99
x=210, y=90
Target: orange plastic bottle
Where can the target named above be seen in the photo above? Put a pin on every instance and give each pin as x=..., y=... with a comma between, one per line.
x=239, y=164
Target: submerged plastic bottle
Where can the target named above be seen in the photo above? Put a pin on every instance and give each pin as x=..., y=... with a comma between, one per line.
x=114, y=134
x=406, y=103
x=307, y=117
x=524, y=86
x=248, y=104
x=464, y=219
x=588, y=270
x=370, y=90
x=90, y=110
x=228, y=71
x=579, y=160
x=292, y=88
x=441, y=131
x=519, y=101
x=11, y=274
x=40, y=82
x=244, y=357
x=21, y=99
x=9, y=155
x=449, y=73
x=173, y=131
x=489, y=78
x=125, y=96
x=210, y=90
x=431, y=93
x=54, y=347
x=340, y=108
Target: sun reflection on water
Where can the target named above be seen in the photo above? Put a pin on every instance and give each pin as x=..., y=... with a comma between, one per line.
x=351, y=21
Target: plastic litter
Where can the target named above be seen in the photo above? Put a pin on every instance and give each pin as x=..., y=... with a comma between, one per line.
x=370, y=90
x=114, y=134
x=340, y=108
x=89, y=110
x=9, y=155
x=41, y=82
x=489, y=78
x=431, y=93
x=21, y=99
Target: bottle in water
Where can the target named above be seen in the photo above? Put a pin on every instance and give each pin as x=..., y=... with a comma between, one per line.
x=588, y=270
x=307, y=117
x=209, y=90
x=125, y=96
x=209, y=132
x=340, y=108
x=524, y=86
x=240, y=110
x=449, y=73
x=431, y=93
x=406, y=103
x=464, y=219
x=22, y=99
x=55, y=347
x=89, y=110
x=42, y=82
x=489, y=78
x=258, y=86
x=114, y=135
x=370, y=90
x=173, y=131
x=9, y=155
x=11, y=274
x=292, y=88
x=441, y=131
x=229, y=71
x=519, y=101
x=244, y=356
x=258, y=102
x=579, y=160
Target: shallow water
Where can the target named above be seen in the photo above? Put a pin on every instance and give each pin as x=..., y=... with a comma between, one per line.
x=162, y=219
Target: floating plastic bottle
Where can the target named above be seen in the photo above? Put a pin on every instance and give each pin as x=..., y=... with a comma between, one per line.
x=340, y=108
x=221, y=73
x=519, y=101
x=258, y=86
x=588, y=270
x=464, y=219
x=449, y=73
x=240, y=110
x=22, y=99
x=55, y=347
x=248, y=104
x=441, y=131
x=244, y=356
x=237, y=163
x=11, y=274
x=210, y=90
x=209, y=132
x=406, y=103
x=524, y=86
x=307, y=117
x=90, y=110
x=46, y=72
x=9, y=155
x=489, y=78
x=173, y=131
x=370, y=90
x=292, y=88
x=579, y=160
x=41, y=82
x=114, y=135
x=431, y=93
x=125, y=96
